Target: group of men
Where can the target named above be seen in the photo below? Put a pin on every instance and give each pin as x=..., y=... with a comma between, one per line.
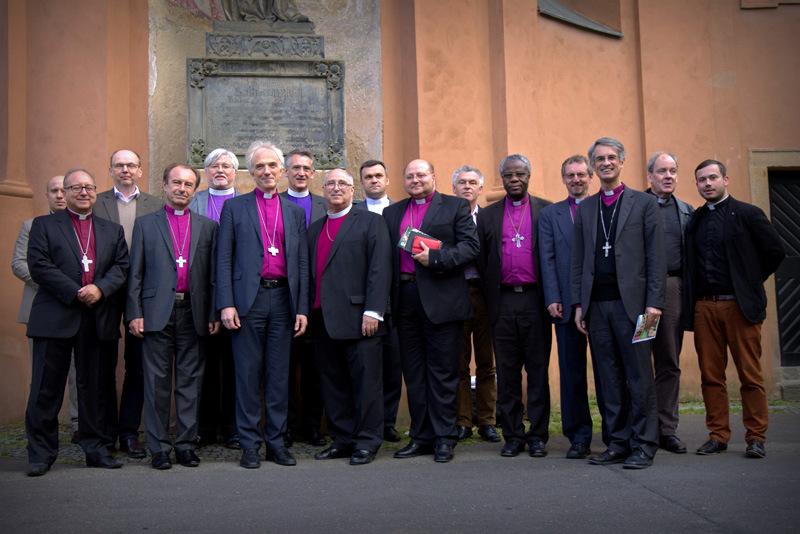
x=219, y=288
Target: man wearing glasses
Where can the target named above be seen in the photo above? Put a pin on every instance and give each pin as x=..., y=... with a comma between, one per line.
x=80, y=263
x=122, y=204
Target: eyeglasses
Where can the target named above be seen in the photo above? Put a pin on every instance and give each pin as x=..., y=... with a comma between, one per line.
x=120, y=166
x=78, y=188
x=578, y=175
x=341, y=185
x=510, y=175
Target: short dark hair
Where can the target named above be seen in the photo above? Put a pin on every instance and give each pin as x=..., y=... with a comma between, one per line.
x=371, y=163
x=710, y=162
x=174, y=166
x=304, y=153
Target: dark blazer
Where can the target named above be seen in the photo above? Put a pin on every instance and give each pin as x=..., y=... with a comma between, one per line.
x=106, y=205
x=199, y=202
x=443, y=289
x=754, y=251
x=54, y=262
x=555, y=255
x=240, y=254
x=638, y=251
x=153, y=274
x=357, y=275
x=318, y=206
x=490, y=236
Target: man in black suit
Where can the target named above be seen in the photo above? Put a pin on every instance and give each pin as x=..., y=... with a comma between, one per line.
x=299, y=173
x=80, y=263
x=511, y=272
x=374, y=181
x=122, y=204
x=618, y=272
x=350, y=262
x=662, y=174
x=262, y=294
x=732, y=249
x=430, y=301
x=170, y=306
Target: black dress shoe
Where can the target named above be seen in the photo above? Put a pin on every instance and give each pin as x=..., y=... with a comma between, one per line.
x=414, y=449
x=443, y=453
x=362, y=457
x=281, y=456
x=390, y=434
x=232, y=442
x=712, y=446
x=488, y=433
x=464, y=432
x=512, y=448
x=637, y=460
x=672, y=444
x=578, y=451
x=250, y=459
x=536, y=448
x=161, y=461
x=313, y=437
x=332, y=453
x=105, y=462
x=187, y=458
x=37, y=469
x=608, y=457
x=755, y=449
x=288, y=440
x=132, y=446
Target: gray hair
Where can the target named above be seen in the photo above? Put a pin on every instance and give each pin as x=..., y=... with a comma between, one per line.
x=609, y=142
x=468, y=168
x=577, y=158
x=73, y=170
x=518, y=157
x=349, y=176
x=218, y=153
x=651, y=163
x=304, y=153
x=255, y=147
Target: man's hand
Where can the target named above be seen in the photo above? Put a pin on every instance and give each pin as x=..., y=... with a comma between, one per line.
x=300, y=324
x=555, y=310
x=369, y=325
x=424, y=256
x=230, y=318
x=652, y=315
x=214, y=327
x=136, y=327
x=580, y=323
x=90, y=294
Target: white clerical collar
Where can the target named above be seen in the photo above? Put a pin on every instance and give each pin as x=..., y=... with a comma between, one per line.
x=81, y=216
x=265, y=195
x=578, y=200
x=609, y=193
x=339, y=214
x=662, y=200
x=295, y=194
x=380, y=202
x=221, y=192
x=119, y=195
x=420, y=200
x=178, y=212
x=714, y=205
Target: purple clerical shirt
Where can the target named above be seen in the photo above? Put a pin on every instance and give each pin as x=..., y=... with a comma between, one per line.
x=415, y=212
x=214, y=206
x=180, y=227
x=84, y=232
x=304, y=202
x=272, y=235
x=517, y=256
x=609, y=197
x=326, y=238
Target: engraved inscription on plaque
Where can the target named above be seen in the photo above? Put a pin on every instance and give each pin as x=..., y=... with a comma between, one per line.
x=296, y=104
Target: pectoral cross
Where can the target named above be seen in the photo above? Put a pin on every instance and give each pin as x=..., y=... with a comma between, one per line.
x=607, y=247
x=272, y=250
x=518, y=240
x=180, y=261
x=86, y=261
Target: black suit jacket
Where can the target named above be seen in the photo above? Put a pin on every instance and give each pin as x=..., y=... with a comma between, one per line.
x=54, y=262
x=153, y=274
x=490, y=236
x=754, y=251
x=443, y=289
x=357, y=275
x=318, y=206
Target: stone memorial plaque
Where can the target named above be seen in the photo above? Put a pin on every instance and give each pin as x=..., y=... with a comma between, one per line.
x=293, y=103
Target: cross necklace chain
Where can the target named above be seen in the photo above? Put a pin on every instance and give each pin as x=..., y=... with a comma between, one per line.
x=181, y=261
x=273, y=250
x=518, y=239
x=85, y=261
x=606, y=233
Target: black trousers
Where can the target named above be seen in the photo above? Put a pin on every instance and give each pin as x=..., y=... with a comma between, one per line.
x=392, y=378
x=305, y=409
x=218, y=401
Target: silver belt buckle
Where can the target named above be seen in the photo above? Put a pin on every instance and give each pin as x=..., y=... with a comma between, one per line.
x=517, y=289
x=180, y=296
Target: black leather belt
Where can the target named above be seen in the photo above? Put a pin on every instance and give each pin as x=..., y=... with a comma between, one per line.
x=269, y=283
x=407, y=277
x=717, y=298
x=474, y=282
x=518, y=289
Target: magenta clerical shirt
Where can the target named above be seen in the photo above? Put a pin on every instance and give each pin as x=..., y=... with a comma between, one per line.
x=272, y=235
x=215, y=202
x=609, y=197
x=417, y=208
x=180, y=228
x=84, y=232
x=326, y=238
x=517, y=261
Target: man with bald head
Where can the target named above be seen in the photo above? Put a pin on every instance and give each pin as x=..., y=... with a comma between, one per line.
x=80, y=263
x=430, y=302
x=122, y=204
